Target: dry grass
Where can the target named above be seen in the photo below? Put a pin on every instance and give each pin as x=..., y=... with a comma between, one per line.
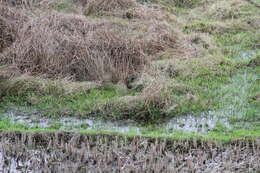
x=126, y=9
x=14, y=83
x=6, y=35
x=200, y=44
x=226, y=9
x=157, y=37
x=10, y=21
x=7, y=72
x=112, y=153
x=151, y=103
x=67, y=45
x=102, y=7
x=28, y=4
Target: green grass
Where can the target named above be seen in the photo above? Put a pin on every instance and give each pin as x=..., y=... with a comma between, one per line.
x=218, y=135
x=63, y=5
x=235, y=43
x=227, y=88
x=204, y=87
x=176, y=3
x=78, y=104
x=204, y=26
x=205, y=84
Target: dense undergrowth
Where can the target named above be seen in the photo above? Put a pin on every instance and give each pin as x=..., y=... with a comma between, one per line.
x=145, y=60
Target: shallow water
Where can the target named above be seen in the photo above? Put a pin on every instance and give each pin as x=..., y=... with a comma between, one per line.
x=71, y=152
x=233, y=96
x=190, y=123
x=71, y=123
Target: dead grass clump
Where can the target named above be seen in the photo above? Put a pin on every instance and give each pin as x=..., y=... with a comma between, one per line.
x=102, y=7
x=149, y=12
x=60, y=45
x=202, y=40
x=6, y=35
x=127, y=9
x=10, y=21
x=27, y=3
x=7, y=72
x=149, y=105
x=200, y=43
x=15, y=84
x=226, y=9
x=158, y=37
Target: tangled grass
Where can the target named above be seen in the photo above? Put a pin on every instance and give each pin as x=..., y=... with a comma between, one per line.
x=68, y=45
x=10, y=21
x=107, y=6
x=28, y=4
x=87, y=47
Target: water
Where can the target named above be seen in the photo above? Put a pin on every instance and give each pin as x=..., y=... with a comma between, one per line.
x=82, y=154
x=197, y=124
x=233, y=96
x=71, y=123
x=245, y=55
x=190, y=123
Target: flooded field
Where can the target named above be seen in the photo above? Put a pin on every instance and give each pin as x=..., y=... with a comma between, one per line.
x=129, y=86
x=234, y=98
x=73, y=152
x=68, y=152
x=198, y=124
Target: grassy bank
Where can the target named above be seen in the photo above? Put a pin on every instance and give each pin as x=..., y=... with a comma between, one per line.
x=199, y=57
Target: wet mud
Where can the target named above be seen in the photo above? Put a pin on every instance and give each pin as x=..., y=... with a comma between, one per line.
x=70, y=152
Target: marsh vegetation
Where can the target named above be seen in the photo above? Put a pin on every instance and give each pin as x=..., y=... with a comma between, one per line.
x=134, y=70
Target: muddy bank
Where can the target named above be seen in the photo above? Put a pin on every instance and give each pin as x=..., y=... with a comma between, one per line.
x=69, y=152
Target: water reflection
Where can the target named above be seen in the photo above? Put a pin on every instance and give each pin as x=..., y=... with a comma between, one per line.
x=190, y=123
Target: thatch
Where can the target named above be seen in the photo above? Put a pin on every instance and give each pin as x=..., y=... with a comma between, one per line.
x=67, y=45
x=107, y=6
x=10, y=22
x=27, y=3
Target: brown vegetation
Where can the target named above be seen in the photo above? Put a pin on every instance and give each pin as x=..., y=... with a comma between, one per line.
x=6, y=36
x=100, y=7
x=158, y=37
x=10, y=21
x=111, y=153
x=15, y=84
x=27, y=3
x=62, y=45
x=127, y=9
x=68, y=45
